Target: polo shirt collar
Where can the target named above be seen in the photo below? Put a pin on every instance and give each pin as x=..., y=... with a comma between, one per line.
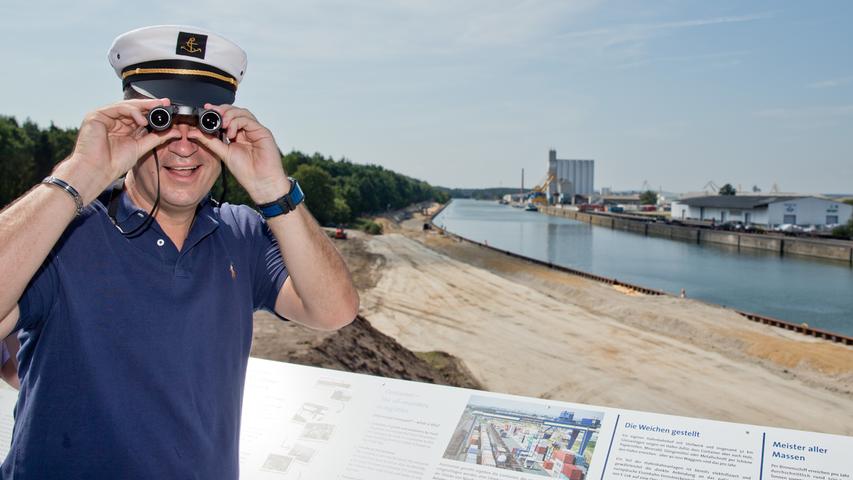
x=206, y=222
x=130, y=216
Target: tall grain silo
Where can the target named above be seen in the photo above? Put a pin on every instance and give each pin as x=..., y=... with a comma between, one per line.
x=571, y=177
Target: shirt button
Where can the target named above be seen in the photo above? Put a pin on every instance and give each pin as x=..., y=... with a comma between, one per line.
x=160, y=242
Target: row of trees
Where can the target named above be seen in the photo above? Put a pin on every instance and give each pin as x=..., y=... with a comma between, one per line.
x=339, y=191
x=336, y=191
x=28, y=154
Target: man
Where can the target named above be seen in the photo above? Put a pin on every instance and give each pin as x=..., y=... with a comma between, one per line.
x=135, y=331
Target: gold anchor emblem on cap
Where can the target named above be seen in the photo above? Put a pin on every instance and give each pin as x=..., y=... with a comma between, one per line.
x=190, y=46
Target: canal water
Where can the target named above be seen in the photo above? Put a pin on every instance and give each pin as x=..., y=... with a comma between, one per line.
x=818, y=292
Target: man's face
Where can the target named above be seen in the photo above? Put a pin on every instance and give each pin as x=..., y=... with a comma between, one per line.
x=187, y=173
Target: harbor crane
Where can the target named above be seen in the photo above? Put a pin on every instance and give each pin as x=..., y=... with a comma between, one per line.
x=539, y=193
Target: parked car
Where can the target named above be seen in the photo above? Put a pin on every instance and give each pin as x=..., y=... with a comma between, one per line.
x=788, y=228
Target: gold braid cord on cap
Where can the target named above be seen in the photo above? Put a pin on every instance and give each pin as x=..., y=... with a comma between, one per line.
x=178, y=71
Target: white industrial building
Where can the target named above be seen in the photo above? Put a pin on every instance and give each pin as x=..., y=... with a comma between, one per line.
x=569, y=178
x=766, y=210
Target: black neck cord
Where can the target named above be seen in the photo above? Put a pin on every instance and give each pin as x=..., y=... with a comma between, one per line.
x=114, y=199
x=224, y=185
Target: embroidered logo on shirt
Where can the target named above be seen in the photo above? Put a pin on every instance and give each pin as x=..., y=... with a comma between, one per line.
x=233, y=271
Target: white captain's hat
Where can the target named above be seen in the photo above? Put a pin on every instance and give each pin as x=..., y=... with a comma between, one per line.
x=189, y=65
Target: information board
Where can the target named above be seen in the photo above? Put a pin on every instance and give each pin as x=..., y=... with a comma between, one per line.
x=310, y=423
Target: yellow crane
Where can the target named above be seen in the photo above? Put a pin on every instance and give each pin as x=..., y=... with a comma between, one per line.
x=539, y=193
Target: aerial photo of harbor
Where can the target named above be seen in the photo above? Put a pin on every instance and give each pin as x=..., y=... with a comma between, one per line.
x=525, y=437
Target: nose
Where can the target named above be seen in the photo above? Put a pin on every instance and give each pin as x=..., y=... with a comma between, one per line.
x=183, y=146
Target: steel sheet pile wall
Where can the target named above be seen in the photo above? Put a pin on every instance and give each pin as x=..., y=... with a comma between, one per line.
x=690, y=232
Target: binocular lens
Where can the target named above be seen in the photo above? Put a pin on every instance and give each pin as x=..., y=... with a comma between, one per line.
x=209, y=121
x=159, y=119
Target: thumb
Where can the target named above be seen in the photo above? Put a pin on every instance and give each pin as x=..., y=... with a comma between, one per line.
x=152, y=140
x=212, y=143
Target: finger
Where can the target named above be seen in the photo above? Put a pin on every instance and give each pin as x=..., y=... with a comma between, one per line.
x=212, y=143
x=233, y=126
x=132, y=109
x=229, y=113
x=123, y=115
x=138, y=104
x=146, y=102
x=253, y=130
x=153, y=140
x=221, y=109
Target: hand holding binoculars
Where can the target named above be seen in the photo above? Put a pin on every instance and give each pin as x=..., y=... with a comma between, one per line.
x=161, y=118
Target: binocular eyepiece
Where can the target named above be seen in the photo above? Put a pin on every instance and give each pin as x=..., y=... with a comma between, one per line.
x=161, y=118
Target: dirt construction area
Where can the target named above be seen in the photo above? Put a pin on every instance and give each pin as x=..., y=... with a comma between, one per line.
x=524, y=329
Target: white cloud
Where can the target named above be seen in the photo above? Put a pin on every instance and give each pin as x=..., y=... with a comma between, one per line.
x=633, y=32
x=831, y=83
x=717, y=59
x=628, y=43
x=812, y=118
x=807, y=112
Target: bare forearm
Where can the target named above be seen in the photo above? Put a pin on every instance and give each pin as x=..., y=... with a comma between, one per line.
x=319, y=291
x=28, y=230
x=31, y=226
x=110, y=141
x=319, y=274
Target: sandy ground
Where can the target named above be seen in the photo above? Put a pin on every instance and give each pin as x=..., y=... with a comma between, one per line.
x=524, y=329
x=358, y=347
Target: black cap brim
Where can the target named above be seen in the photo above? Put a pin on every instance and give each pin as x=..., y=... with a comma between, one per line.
x=192, y=93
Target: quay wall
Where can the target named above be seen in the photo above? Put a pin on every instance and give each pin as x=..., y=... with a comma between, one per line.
x=817, y=249
x=841, y=251
x=725, y=238
x=761, y=242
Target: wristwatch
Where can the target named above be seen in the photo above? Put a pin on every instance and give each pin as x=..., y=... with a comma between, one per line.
x=285, y=204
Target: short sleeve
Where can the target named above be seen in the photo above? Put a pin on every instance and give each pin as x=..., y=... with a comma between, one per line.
x=270, y=270
x=39, y=296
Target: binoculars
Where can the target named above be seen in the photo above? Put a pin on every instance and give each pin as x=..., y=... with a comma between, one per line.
x=161, y=118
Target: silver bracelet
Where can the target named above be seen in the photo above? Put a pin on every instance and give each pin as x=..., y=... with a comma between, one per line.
x=51, y=180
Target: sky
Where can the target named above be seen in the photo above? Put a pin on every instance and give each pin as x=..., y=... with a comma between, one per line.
x=467, y=93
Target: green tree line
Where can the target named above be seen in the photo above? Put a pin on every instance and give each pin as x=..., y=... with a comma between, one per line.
x=28, y=154
x=336, y=191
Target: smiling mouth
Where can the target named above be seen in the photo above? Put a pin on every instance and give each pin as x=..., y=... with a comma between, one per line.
x=182, y=171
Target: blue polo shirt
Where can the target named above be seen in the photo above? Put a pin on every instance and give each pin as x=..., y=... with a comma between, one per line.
x=133, y=354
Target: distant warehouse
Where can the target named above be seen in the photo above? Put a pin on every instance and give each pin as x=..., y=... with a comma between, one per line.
x=767, y=210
